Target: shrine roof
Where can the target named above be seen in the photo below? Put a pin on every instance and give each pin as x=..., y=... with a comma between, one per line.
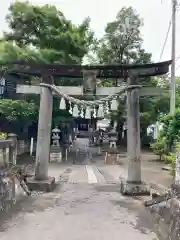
x=103, y=71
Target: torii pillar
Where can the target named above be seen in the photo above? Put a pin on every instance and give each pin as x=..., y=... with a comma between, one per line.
x=133, y=185
x=42, y=181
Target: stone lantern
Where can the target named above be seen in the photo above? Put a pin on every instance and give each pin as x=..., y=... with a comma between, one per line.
x=112, y=138
x=55, y=136
x=112, y=153
x=56, y=155
x=13, y=137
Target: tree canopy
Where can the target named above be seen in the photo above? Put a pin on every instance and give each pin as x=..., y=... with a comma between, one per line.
x=122, y=41
x=46, y=30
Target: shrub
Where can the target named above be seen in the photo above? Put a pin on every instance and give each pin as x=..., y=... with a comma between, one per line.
x=3, y=136
x=171, y=159
x=159, y=148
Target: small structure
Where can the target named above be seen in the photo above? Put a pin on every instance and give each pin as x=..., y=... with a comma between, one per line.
x=55, y=136
x=112, y=153
x=112, y=138
x=56, y=155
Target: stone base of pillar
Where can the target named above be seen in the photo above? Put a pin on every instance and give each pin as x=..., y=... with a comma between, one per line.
x=56, y=157
x=111, y=158
x=41, y=185
x=135, y=189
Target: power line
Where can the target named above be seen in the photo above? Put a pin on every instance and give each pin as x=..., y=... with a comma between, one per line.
x=164, y=45
x=177, y=67
x=177, y=58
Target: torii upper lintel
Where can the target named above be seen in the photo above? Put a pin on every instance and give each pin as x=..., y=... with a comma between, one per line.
x=103, y=71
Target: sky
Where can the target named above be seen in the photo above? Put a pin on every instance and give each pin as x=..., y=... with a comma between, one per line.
x=155, y=13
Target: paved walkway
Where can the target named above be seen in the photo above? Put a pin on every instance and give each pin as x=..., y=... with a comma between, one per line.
x=101, y=173
x=79, y=211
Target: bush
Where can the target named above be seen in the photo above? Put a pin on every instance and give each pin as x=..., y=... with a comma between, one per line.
x=171, y=129
x=159, y=148
x=170, y=134
x=3, y=136
x=171, y=159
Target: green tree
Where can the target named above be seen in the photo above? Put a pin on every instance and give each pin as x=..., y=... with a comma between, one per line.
x=122, y=45
x=19, y=113
x=19, y=110
x=10, y=51
x=47, y=29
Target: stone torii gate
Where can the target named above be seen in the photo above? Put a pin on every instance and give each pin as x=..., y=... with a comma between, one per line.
x=130, y=74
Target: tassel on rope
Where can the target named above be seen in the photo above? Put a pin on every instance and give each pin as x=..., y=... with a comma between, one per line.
x=107, y=108
x=75, y=111
x=82, y=113
x=94, y=112
x=100, y=111
x=88, y=113
x=62, y=104
x=70, y=108
x=115, y=125
x=114, y=105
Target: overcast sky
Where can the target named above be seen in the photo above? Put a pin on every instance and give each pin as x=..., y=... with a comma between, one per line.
x=156, y=15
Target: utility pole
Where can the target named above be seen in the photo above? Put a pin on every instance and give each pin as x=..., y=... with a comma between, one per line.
x=173, y=56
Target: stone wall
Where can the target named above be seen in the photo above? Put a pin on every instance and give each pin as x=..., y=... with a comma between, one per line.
x=7, y=189
x=10, y=190
x=166, y=216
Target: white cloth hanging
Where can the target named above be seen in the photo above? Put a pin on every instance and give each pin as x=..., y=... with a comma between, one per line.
x=75, y=111
x=88, y=113
x=100, y=111
x=114, y=105
x=82, y=113
x=107, y=108
x=70, y=109
x=94, y=112
x=62, y=104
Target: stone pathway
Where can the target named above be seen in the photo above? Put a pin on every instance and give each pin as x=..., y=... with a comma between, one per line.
x=79, y=211
x=101, y=173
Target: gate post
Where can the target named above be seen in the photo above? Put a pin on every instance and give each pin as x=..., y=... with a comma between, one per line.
x=133, y=185
x=44, y=134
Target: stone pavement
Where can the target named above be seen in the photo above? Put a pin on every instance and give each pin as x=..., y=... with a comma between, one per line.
x=98, y=172
x=79, y=211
